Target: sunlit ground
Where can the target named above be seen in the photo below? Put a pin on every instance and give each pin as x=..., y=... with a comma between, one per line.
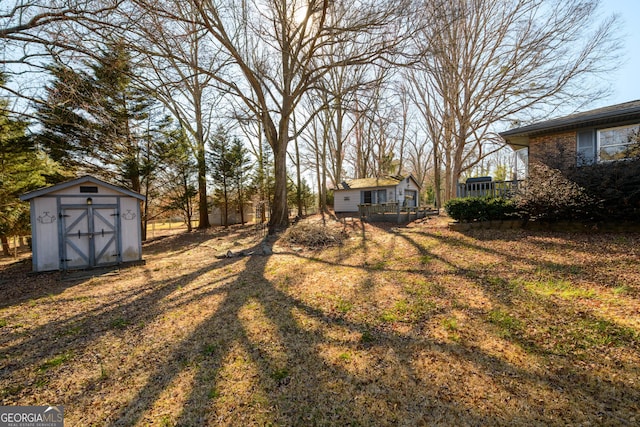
x=414, y=325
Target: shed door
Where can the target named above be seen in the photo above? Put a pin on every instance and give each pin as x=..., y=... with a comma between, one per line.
x=90, y=236
x=410, y=198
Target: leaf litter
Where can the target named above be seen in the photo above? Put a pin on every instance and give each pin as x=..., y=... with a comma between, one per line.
x=345, y=323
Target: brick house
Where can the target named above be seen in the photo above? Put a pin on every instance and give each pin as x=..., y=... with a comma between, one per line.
x=598, y=151
x=602, y=135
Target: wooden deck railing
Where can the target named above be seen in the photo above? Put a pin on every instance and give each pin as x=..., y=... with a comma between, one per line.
x=393, y=212
x=488, y=188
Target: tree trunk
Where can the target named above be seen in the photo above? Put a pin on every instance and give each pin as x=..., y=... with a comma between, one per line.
x=203, y=211
x=279, y=211
x=5, y=245
x=299, y=180
x=226, y=203
x=437, y=184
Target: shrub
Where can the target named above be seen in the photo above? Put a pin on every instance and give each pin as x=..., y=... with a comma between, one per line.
x=550, y=195
x=480, y=209
x=614, y=185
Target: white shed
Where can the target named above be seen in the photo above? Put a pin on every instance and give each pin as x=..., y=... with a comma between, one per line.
x=376, y=191
x=84, y=223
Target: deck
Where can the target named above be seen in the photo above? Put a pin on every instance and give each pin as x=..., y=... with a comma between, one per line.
x=392, y=212
x=488, y=188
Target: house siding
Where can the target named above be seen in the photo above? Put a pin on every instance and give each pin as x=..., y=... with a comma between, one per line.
x=346, y=200
x=558, y=150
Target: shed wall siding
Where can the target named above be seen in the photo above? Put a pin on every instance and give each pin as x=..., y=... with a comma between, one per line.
x=82, y=199
x=75, y=191
x=130, y=229
x=45, y=235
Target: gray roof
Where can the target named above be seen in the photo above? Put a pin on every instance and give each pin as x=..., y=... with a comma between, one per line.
x=81, y=180
x=610, y=115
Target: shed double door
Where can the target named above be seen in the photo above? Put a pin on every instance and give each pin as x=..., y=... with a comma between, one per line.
x=90, y=236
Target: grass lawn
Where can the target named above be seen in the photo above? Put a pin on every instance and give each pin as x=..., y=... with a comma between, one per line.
x=398, y=326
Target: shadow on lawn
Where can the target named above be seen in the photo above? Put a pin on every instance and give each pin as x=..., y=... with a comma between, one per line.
x=300, y=386
x=295, y=382
x=18, y=285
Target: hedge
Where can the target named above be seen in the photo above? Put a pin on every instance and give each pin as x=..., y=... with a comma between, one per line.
x=471, y=209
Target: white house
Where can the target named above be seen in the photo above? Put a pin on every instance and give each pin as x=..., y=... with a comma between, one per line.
x=84, y=223
x=376, y=191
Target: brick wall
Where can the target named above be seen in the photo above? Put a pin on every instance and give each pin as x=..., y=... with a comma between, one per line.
x=558, y=150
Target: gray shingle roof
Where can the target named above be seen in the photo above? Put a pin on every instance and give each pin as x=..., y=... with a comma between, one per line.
x=618, y=113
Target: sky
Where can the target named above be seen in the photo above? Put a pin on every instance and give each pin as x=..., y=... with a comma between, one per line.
x=626, y=80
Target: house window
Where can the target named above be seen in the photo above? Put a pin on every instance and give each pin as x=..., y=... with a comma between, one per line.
x=586, y=147
x=618, y=143
x=382, y=196
x=366, y=197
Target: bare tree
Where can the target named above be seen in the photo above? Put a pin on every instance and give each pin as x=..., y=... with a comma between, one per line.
x=376, y=124
x=275, y=51
x=487, y=61
x=177, y=64
x=34, y=31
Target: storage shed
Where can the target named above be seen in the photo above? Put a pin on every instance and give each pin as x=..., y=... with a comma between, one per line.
x=84, y=223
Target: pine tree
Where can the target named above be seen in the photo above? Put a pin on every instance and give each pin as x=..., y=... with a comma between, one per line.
x=94, y=120
x=179, y=175
x=22, y=168
x=222, y=168
x=240, y=162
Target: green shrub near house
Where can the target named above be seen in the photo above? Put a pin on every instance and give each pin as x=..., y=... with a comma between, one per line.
x=471, y=209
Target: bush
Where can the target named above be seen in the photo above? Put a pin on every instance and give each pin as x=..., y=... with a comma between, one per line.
x=615, y=186
x=480, y=209
x=549, y=195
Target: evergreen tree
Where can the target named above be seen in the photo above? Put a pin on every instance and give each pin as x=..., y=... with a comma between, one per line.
x=230, y=166
x=222, y=168
x=22, y=168
x=95, y=120
x=239, y=159
x=263, y=180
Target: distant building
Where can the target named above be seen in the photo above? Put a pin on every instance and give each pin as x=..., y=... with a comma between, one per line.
x=403, y=191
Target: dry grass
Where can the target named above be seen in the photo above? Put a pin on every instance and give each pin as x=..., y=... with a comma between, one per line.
x=413, y=325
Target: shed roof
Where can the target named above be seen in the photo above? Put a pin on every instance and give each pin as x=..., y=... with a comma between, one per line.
x=383, y=181
x=81, y=180
x=619, y=113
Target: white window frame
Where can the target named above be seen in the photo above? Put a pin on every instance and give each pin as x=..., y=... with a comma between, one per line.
x=598, y=141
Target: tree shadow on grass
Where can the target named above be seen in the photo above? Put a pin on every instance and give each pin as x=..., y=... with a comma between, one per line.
x=18, y=284
x=296, y=370
x=77, y=332
x=265, y=356
x=293, y=380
